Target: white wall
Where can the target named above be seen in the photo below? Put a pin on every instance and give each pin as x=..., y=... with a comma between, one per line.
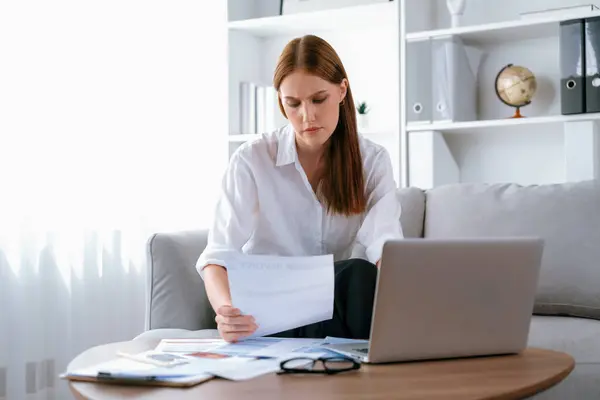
x=519, y=155
x=267, y=8
x=247, y=9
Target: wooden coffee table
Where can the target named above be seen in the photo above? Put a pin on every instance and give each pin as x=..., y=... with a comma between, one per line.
x=504, y=377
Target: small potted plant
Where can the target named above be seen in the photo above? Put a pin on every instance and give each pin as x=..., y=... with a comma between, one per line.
x=363, y=115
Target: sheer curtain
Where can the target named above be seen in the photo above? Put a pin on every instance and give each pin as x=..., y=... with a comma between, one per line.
x=113, y=120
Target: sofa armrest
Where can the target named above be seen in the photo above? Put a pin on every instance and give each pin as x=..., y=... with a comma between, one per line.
x=176, y=294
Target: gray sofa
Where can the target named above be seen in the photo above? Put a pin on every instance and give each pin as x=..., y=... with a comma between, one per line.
x=567, y=309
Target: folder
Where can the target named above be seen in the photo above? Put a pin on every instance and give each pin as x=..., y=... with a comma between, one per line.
x=454, y=79
x=592, y=62
x=418, y=82
x=572, y=66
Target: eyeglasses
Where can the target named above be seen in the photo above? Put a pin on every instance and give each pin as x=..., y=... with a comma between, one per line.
x=323, y=365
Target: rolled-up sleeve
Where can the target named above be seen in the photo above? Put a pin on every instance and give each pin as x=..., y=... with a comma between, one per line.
x=382, y=219
x=234, y=218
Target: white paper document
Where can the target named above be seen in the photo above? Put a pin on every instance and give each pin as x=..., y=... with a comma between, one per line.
x=189, y=345
x=282, y=293
x=249, y=370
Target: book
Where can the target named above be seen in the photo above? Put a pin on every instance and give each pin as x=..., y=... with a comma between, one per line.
x=562, y=12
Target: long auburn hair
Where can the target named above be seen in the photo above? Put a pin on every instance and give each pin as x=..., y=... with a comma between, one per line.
x=342, y=186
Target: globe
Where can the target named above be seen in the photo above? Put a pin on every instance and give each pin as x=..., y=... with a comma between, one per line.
x=515, y=87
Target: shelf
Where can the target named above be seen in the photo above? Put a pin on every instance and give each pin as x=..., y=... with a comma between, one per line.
x=471, y=126
x=501, y=32
x=351, y=17
x=369, y=134
x=239, y=138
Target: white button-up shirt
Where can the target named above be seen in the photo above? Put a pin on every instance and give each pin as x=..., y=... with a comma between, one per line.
x=267, y=206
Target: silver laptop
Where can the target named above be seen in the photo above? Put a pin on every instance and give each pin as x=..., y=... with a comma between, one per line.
x=453, y=298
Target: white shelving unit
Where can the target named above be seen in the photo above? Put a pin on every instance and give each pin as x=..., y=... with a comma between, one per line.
x=372, y=41
x=258, y=34
x=544, y=147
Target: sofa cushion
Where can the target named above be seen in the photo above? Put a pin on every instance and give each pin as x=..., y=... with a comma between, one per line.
x=566, y=216
x=579, y=337
x=412, y=203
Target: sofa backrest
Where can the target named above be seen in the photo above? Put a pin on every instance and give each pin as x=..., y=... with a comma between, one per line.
x=412, y=217
x=566, y=216
x=176, y=295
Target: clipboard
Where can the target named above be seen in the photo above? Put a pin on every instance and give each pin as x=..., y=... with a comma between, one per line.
x=176, y=381
x=137, y=370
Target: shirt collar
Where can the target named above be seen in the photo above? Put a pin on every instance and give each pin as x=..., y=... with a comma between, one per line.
x=286, y=149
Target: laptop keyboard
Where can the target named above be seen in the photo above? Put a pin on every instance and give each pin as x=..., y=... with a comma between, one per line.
x=362, y=350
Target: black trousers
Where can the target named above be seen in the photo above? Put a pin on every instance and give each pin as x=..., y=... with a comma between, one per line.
x=355, y=281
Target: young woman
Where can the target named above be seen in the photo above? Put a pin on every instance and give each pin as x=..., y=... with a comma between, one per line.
x=313, y=187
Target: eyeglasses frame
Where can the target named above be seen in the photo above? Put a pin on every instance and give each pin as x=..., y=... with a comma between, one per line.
x=324, y=360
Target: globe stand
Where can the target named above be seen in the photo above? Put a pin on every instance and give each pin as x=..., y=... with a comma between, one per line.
x=518, y=113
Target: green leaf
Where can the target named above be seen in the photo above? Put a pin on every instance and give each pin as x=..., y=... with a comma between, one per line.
x=362, y=107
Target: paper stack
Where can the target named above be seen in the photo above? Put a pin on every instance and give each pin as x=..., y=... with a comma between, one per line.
x=188, y=362
x=268, y=287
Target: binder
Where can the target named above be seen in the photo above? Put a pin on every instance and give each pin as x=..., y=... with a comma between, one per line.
x=454, y=79
x=572, y=66
x=248, y=111
x=261, y=109
x=418, y=82
x=592, y=62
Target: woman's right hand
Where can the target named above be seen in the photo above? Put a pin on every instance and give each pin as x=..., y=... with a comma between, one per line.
x=232, y=325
